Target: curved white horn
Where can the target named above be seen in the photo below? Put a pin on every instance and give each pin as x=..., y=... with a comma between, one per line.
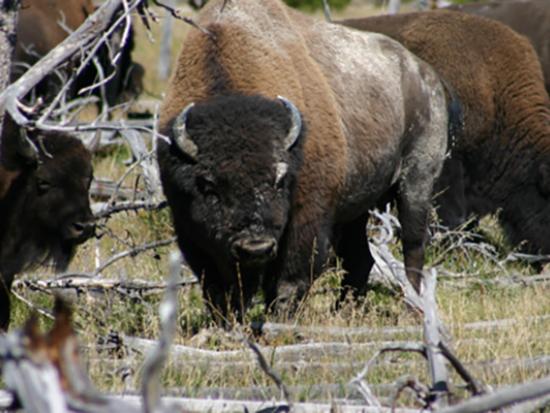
x=296, y=126
x=184, y=141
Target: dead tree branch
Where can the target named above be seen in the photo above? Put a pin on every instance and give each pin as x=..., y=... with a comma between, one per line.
x=8, y=17
x=133, y=252
x=156, y=360
x=83, y=37
x=503, y=397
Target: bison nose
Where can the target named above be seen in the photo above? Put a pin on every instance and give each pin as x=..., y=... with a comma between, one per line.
x=254, y=250
x=81, y=231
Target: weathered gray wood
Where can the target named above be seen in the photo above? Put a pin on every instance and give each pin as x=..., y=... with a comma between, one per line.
x=156, y=361
x=9, y=10
x=503, y=397
x=432, y=340
x=165, y=54
x=174, y=404
x=92, y=28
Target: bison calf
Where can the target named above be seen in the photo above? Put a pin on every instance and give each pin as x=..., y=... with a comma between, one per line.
x=44, y=206
x=283, y=132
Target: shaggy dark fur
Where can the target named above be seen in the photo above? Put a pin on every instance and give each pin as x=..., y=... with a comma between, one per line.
x=39, y=31
x=238, y=225
x=530, y=18
x=44, y=207
x=502, y=160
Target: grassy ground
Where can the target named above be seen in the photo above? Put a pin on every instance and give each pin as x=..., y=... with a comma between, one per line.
x=465, y=295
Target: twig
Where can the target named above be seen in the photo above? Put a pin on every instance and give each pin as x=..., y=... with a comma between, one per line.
x=133, y=252
x=29, y=304
x=270, y=372
x=409, y=382
x=157, y=359
x=503, y=397
x=176, y=14
x=474, y=386
x=432, y=340
x=104, y=210
x=359, y=380
x=326, y=11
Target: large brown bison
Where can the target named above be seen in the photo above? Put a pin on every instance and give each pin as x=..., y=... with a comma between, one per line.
x=528, y=17
x=44, y=207
x=43, y=24
x=283, y=132
x=502, y=160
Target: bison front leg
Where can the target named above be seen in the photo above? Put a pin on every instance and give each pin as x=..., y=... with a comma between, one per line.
x=301, y=261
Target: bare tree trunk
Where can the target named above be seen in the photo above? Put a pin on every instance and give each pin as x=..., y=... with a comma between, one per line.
x=8, y=21
x=165, y=58
x=393, y=6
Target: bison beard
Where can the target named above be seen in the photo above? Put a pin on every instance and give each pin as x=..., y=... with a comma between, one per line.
x=44, y=206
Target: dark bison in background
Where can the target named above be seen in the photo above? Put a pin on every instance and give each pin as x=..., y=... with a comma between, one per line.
x=44, y=206
x=43, y=24
x=530, y=18
x=502, y=160
x=283, y=132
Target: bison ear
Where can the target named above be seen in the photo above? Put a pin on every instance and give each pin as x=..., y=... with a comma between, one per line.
x=296, y=123
x=16, y=150
x=181, y=136
x=543, y=181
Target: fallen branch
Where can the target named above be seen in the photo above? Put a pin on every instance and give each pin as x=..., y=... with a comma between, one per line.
x=503, y=397
x=104, y=209
x=157, y=359
x=225, y=406
x=273, y=330
x=133, y=252
x=88, y=281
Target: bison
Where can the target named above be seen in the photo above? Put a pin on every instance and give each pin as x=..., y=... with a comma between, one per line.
x=502, y=159
x=528, y=17
x=45, y=211
x=282, y=132
x=43, y=24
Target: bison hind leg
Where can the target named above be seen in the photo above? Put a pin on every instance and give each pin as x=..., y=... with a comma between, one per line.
x=353, y=248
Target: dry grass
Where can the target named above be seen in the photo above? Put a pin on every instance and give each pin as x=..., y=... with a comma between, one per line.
x=470, y=300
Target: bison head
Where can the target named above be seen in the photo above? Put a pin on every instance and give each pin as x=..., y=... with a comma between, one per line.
x=45, y=206
x=229, y=174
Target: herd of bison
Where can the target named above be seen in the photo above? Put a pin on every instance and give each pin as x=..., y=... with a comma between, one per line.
x=280, y=131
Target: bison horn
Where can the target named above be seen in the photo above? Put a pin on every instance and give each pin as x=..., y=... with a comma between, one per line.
x=184, y=141
x=296, y=119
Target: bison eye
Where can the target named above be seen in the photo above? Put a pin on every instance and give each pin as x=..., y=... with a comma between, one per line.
x=206, y=185
x=43, y=186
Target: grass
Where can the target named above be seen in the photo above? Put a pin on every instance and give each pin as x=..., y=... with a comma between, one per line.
x=463, y=297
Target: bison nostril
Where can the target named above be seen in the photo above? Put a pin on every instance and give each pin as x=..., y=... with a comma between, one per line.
x=254, y=249
x=81, y=230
